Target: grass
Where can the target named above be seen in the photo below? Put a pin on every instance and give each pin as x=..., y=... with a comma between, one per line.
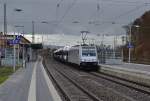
x=3, y=78
x=5, y=72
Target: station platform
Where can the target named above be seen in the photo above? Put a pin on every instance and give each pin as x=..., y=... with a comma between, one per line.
x=135, y=72
x=29, y=84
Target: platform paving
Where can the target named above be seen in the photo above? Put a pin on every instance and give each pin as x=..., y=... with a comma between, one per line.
x=29, y=84
x=138, y=68
x=135, y=72
x=17, y=86
x=141, y=67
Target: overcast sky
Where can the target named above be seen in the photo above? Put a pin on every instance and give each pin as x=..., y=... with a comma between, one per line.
x=96, y=16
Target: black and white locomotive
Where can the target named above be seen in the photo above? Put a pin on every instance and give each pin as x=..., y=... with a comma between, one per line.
x=81, y=55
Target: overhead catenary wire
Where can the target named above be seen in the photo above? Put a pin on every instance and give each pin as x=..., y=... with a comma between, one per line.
x=65, y=14
x=67, y=11
x=123, y=2
x=42, y=1
x=137, y=7
x=97, y=12
x=121, y=15
x=130, y=11
x=126, y=14
x=114, y=21
x=98, y=8
x=57, y=9
x=59, y=2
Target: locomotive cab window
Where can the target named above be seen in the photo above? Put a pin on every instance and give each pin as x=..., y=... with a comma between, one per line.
x=88, y=53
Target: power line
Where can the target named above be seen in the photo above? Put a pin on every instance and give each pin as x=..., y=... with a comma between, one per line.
x=98, y=8
x=130, y=11
x=66, y=12
x=96, y=13
x=124, y=14
x=127, y=3
x=118, y=1
x=58, y=4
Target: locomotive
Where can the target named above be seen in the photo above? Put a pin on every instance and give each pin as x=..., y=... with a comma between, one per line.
x=85, y=56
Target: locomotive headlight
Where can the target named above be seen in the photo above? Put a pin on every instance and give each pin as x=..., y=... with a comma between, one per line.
x=94, y=60
x=95, y=63
x=83, y=60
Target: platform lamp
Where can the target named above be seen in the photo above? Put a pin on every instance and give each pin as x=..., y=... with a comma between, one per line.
x=44, y=22
x=14, y=64
x=18, y=26
x=130, y=40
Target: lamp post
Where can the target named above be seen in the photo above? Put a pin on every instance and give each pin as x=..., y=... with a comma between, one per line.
x=45, y=22
x=5, y=28
x=17, y=26
x=123, y=40
x=14, y=49
x=33, y=37
x=130, y=40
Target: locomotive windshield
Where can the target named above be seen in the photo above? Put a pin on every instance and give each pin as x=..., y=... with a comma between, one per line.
x=88, y=51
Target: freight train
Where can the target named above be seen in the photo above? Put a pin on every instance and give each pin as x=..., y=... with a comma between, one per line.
x=84, y=56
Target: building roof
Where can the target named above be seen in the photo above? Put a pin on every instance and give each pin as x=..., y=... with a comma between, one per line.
x=11, y=37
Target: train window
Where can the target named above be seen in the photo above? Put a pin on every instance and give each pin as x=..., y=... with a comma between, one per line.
x=88, y=47
x=88, y=53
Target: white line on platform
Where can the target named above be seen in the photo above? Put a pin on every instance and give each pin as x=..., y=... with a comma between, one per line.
x=52, y=90
x=32, y=90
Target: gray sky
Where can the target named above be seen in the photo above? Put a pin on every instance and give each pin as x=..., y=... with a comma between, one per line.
x=101, y=13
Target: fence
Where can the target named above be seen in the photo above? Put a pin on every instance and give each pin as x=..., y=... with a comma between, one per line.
x=109, y=56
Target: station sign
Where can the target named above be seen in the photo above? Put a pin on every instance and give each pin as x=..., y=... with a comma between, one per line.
x=15, y=41
x=11, y=42
x=130, y=45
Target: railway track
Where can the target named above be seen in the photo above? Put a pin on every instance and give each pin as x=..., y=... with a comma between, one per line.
x=136, y=87
x=70, y=90
x=65, y=96
x=98, y=86
x=128, y=83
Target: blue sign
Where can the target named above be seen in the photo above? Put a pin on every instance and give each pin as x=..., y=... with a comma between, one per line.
x=11, y=42
x=130, y=45
x=18, y=37
x=16, y=41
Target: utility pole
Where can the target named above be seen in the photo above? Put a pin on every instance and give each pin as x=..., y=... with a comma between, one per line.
x=129, y=60
x=18, y=45
x=115, y=44
x=14, y=49
x=130, y=39
x=5, y=28
x=42, y=39
x=123, y=40
x=5, y=20
x=33, y=37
